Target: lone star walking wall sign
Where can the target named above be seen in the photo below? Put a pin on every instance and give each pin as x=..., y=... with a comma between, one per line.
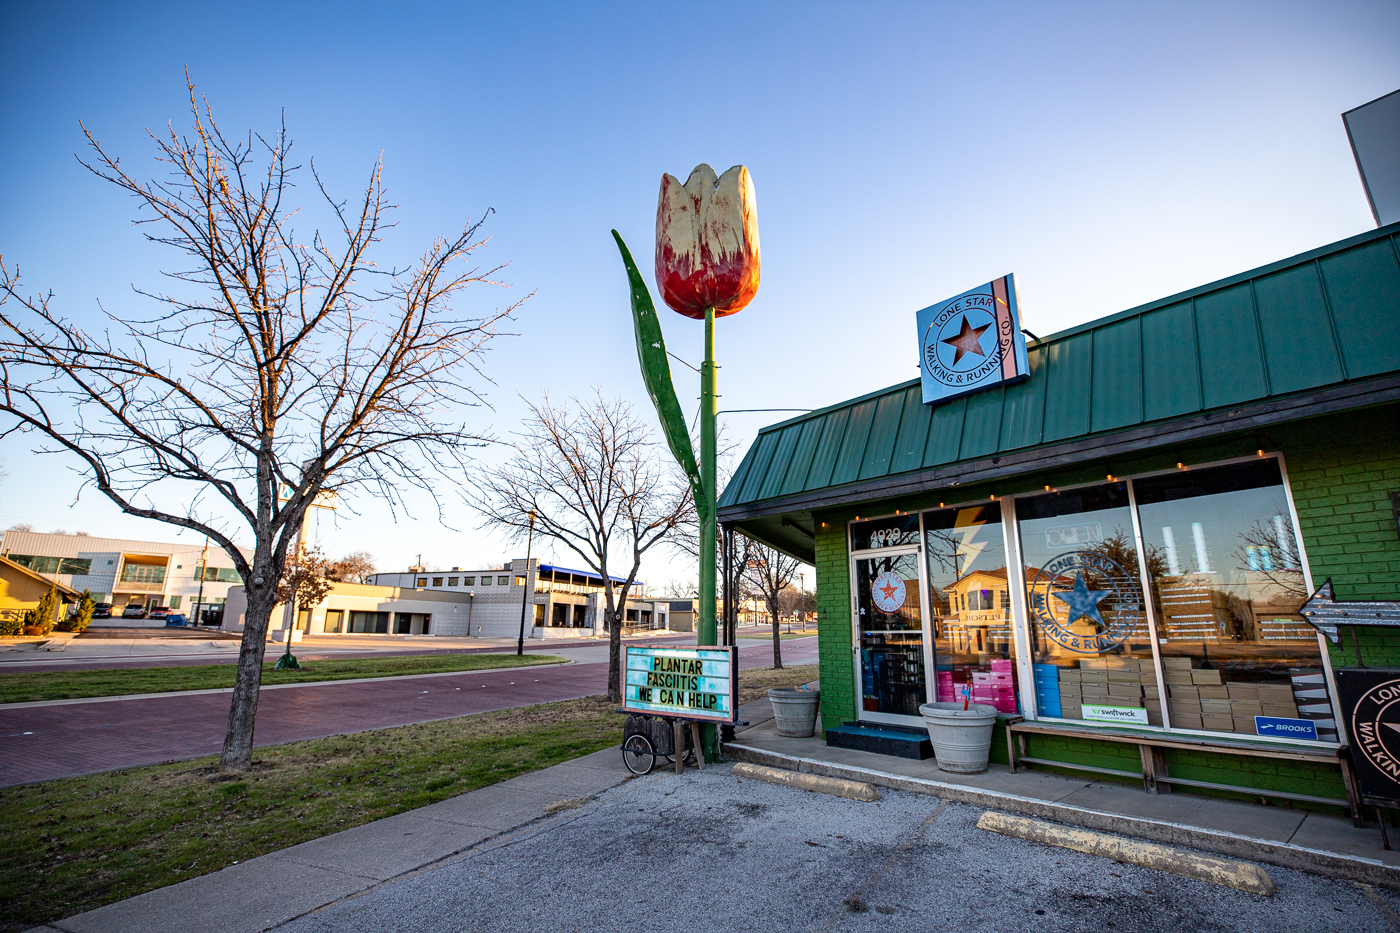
x=972, y=342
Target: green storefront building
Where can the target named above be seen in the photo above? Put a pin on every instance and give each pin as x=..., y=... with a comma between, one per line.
x=1116, y=548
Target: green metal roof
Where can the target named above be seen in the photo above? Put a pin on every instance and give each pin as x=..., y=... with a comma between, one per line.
x=1319, y=326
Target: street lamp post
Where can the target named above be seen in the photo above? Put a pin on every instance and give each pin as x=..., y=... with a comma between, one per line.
x=525, y=599
x=203, y=572
x=802, y=598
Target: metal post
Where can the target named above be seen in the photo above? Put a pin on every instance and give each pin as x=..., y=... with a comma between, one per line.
x=288, y=660
x=203, y=572
x=727, y=549
x=525, y=599
x=706, y=634
x=708, y=530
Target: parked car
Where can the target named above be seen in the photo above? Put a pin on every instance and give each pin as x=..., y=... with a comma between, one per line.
x=177, y=618
x=159, y=612
x=102, y=611
x=134, y=611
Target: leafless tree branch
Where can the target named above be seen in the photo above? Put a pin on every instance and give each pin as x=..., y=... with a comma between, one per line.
x=272, y=363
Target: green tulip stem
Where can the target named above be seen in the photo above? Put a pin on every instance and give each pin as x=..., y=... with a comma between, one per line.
x=708, y=531
x=708, y=407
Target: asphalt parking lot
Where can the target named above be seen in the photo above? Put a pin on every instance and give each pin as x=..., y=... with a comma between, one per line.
x=709, y=851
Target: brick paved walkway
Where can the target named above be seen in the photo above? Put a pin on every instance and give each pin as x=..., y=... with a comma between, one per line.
x=48, y=742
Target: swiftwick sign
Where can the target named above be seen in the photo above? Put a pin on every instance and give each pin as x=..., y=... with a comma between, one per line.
x=685, y=683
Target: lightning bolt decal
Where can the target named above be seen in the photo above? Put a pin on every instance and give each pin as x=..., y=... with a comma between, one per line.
x=967, y=548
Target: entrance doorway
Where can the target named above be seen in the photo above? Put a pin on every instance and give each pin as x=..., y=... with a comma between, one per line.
x=891, y=661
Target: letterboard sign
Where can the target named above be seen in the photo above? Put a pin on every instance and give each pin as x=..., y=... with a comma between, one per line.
x=688, y=683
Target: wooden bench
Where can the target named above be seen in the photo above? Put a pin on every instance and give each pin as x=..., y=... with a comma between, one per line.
x=1152, y=751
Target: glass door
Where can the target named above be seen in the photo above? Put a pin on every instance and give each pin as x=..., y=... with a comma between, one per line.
x=889, y=636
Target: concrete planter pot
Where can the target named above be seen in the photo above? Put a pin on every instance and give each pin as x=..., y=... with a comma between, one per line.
x=962, y=738
x=794, y=711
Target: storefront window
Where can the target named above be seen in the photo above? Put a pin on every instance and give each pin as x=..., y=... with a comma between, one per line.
x=1090, y=638
x=1227, y=582
x=970, y=606
x=890, y=632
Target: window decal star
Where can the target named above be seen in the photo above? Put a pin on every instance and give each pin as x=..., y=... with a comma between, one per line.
x=1083, y=602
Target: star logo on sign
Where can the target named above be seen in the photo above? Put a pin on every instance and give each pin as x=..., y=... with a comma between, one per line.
x=1083, y=602
x=968, y=340
x=889, y=589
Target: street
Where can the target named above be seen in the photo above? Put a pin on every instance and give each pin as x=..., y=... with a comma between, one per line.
x=710, y=851
x=69, y=738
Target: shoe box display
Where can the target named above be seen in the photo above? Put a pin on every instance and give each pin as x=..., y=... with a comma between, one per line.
x=994, y=685
x=1198, y=698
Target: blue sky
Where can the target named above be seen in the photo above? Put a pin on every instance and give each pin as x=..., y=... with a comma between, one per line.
x=1107, y=154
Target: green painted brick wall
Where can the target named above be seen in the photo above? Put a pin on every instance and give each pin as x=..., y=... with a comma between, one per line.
x=1342, y=473
x=834, y=624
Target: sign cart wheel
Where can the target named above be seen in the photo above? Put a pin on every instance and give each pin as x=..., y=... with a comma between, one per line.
x=638, y=754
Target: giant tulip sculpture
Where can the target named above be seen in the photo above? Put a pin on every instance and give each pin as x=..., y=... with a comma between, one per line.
x=707, y=242
x=707, y=266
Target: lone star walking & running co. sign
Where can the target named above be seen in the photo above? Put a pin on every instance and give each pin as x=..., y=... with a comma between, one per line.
x=972, y=342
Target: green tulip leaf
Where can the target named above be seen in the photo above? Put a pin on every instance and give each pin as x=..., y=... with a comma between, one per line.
x=656, y=371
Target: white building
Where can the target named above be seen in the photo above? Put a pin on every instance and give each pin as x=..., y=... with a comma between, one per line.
x=558, y=601
x=357, y=609
x=123, y=571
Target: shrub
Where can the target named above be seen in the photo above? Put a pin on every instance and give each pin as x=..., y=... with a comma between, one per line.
x=11, y=626
x=43, y=615
x=82, y=615
x=34, y=630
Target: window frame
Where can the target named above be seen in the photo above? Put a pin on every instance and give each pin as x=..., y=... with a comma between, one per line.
x=1021, y=619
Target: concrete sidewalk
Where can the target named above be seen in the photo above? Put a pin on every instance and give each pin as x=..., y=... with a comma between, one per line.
x=271, y=890
x=268, y=891
x=1295, y=838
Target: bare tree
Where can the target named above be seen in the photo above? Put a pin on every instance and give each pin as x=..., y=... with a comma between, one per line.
x=592, y=477
x=680, y=589
x=1272, y=558
x=274, y=368
x=352, y=568
x=770, y=572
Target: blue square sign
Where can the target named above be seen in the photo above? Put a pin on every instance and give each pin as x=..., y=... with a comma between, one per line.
x=972, y=342
x=1285, y=728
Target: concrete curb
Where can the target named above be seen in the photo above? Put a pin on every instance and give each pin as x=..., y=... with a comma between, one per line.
x=1286, y=855
x=837, y=787
x=1242, y=876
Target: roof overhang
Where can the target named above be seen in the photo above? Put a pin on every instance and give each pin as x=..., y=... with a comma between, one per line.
x=787, y=522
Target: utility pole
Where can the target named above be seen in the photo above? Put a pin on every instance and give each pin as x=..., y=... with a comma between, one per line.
x=525, y=598
x=203, y=572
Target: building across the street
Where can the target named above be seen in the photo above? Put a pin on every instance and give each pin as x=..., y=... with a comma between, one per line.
x=360, y=609
x=1117, y=546
x=556, y=602
x=126, y=572
x=21, y=589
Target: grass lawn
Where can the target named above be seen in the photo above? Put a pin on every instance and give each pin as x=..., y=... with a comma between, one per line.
x=66, y=685
x=75, y=844
x=767, y=633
